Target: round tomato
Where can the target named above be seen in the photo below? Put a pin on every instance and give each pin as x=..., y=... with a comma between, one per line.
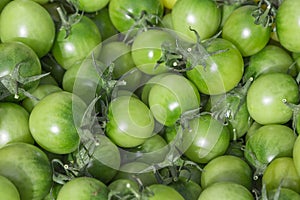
x=266, y=95
x=296, y=154
x=240, y=29
x=187, y=188
x=130, y=121
x=28, y=168
x=203, y=16
x=8, y=189
x=28, y=22
x=281, y=172
x=227, y=168
x=83, y=188
x=16, y=130
x=91, y=6
x=55, y=121
x=287, y=25
x=223, y=71
x=147, y=50
x=167, y=101
x=205, y=139
x=70, y=48
x=283, y=194
x=259, y=150
x=160, y=191
x=126, y=14
x=23, y=64
x=123, y=188
x=270, y=59
x=226, y=191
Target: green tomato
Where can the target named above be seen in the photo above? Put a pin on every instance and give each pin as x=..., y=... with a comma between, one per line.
x=187, y=188
x=83, y=188
x=55, y=121
x=287, y=25
x=28, y=22
x=8, y=189
x=281, y=172
x=160, y=191
x=227, y=168
x=240, y=29
x=91, y=6
x=28, y=168
x=14, y=124
x=226, y=191
x=266, y=95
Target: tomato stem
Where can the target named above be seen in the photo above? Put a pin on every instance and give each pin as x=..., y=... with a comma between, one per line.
x=265, y=13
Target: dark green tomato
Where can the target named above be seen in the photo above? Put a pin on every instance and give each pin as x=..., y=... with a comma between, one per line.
x=284, y=194
x=50, y=65
x=287, y=25
x=8, y=189
x=160, y=191
x=40, y=92
x=227, y=168
x=68, y=49
x=104, y=24
x=53, y=192
x=13, y=54
x=191, y=172
x=147, y=50
x=3, y=4
x=121, y=188
x=137, y=170
x=266, y=95
x=130, y=121
x=28, y=22
x=28, y=168
x=203, y=16
x=152, y=151
x=105, y=160
x=281, y=172
x=117, y=53
x=167, y=100
x=270, y=59
x=223, y=71
x=226, y=191
x=125, y=13
x=205, y=139
x=83, y=79
x=240, y=29
x=55, y=121
x=91, y=6
x=187, y=188
x=260, y=151
x=83, y=188
x=14, y=125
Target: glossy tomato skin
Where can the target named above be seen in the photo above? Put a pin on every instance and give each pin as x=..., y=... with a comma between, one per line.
x=167, y=102
x=206, y=139
x=147, y=50
x=120, y=11
x=287, y=25
x=19, y=54
x=265, y=98
x=296, y=155
x=130, y=121
x=223, y=72
x=14, y=130
x=55, y=121
x=240, y=29
x=281, y=172
x=83, y=188
x=226, y=191
x=271, y=58
x=227, y=168
x=28, y=168
x=72, y=48
x=30, y=23
x=92, y=6
x=8, y=189
x=259, y=149
x=161, y=191
x=203, y=16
